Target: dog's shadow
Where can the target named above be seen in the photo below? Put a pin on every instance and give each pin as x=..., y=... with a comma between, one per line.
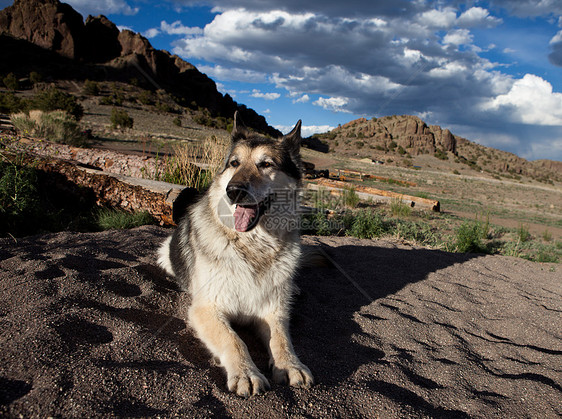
x=325, y=331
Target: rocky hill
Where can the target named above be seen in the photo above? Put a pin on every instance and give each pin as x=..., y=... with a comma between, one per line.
x=401, y=138
x=96, y=49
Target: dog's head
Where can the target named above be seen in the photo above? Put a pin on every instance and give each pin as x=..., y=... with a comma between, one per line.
x=257, y=167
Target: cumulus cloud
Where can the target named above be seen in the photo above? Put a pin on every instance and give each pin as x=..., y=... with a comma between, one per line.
x=477, y=16
x=458, y=37
x=88, y=7
x=302, y=99
x=530, y=101
x=336, y=104
x=151, y=33
x=177, y=28
x=233, y=74
x=266, y=96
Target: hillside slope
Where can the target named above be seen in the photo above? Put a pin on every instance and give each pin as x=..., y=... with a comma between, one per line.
x=96, y=49
x=401, y=137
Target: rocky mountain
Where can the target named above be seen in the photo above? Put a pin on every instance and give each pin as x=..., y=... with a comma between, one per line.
x=402, y=137
x=97, y=49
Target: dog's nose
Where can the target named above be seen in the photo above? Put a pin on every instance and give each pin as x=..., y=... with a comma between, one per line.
x=237, y=192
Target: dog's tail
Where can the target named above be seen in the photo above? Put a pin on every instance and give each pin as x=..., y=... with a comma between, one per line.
x=164, y=257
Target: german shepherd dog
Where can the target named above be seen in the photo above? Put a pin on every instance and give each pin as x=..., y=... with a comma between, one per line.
x=236, y=251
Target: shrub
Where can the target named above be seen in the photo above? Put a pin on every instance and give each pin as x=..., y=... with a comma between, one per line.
x=53, y=99
x=19, y=202
x=469, y=237
x=11, y=82
x=91, y=88
x=177, y=121
x=441, y=154
x=146, y=97
x=121, y=119
x=55, y=126
x=367, y=224
x=108, y=219
x=350, y=198
x=523, y=233
x=35, y=77
x=359, y=144
x=10, y=103
x=398, y=208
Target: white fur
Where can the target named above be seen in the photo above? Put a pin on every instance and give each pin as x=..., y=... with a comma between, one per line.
x=164, y=257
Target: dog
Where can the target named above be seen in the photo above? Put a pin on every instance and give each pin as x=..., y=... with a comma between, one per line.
x=236, y=251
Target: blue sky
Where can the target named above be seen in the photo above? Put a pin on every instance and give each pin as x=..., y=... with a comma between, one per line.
x=490, y=71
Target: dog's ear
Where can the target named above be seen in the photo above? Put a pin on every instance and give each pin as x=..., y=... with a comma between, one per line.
x=293, y=139
x=239, y=130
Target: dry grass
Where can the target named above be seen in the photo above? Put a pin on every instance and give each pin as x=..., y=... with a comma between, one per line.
x=195, y=164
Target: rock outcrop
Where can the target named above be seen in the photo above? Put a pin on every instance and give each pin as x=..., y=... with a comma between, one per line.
x=121, y=55
x=46, y=23
x=409, y=132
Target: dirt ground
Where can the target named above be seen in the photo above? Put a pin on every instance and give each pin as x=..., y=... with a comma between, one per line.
x=90, y=327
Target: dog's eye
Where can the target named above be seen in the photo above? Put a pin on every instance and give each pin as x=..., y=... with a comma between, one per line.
x=235, y=163
x=265, y=164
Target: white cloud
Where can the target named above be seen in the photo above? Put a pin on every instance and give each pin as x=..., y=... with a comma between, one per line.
x=556, y=38
x=477, y=16
x=441, y=19
x=302, y=99
x=458, y=37
x=105, y=7
x=529, y=101
x=176, y=28
x=266, y=96
x=151, y=33
x=336, y=104
x=233, y=74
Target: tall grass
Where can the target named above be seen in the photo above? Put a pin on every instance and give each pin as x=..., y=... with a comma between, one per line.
x=194, y=164
x=57, y=126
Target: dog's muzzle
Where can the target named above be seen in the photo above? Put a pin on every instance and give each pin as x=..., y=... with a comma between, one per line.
x=248, y=209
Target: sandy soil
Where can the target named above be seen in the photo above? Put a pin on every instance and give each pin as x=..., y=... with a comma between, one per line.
x=91, y=328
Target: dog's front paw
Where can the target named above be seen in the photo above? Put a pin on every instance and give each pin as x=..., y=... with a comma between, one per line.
x=297, y=375
x=248, y=383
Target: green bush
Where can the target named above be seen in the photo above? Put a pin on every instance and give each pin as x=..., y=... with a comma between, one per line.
x=177, y=121
x=19, y=202
x=121, y=119
x=54, y=99
x=399, y=208
x=10, y=103
x=11, y=82
x=108, y=219
x=469, y=237
x=367, y=225
x=91, y=88
x=350, y=198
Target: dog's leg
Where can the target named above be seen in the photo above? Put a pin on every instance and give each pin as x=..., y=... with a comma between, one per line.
x=243, y=377
x=285, y=364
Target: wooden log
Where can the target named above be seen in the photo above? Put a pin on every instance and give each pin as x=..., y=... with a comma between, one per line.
x=377, y=195
x=119, y=191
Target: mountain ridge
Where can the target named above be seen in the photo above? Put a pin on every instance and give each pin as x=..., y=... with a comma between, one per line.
x=99, y=50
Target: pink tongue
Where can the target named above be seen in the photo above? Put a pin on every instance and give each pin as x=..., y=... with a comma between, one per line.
x=243, y=216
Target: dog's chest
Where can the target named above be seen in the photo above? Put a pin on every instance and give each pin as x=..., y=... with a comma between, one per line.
x=247, y=278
